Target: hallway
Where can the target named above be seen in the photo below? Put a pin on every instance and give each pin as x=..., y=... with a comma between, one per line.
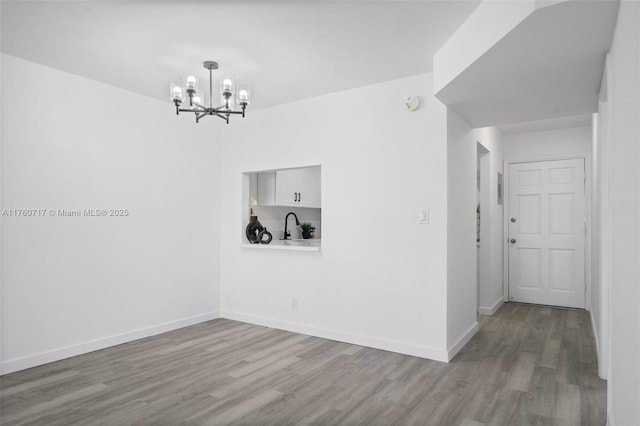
x=534, y=365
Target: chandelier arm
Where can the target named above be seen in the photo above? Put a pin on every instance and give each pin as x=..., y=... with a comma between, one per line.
x=221, y=116
x=198, y=117
x=194, y=110
x=222, y=110
x=209, y=111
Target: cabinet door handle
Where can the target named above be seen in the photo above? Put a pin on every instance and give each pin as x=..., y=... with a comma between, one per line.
x=295, y=196
x=299, y=196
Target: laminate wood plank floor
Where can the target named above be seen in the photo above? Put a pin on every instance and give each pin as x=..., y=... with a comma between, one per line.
x=527, y=365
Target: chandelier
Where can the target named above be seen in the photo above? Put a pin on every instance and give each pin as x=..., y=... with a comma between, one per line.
x=196, y=96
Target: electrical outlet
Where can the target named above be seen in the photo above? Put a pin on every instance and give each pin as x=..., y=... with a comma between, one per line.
x=294, y=304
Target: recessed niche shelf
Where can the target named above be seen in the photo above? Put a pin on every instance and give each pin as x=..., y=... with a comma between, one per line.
x=283, y=197
x=281, y=247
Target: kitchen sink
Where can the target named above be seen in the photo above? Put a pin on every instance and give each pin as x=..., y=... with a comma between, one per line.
x=301, y=242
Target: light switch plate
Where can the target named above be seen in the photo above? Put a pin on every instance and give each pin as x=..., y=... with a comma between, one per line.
x=423, y=216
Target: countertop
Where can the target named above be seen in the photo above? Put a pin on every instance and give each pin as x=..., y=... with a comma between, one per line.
x=312, y=244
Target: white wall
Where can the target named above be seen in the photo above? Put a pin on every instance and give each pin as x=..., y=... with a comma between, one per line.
x=461, y=232
x=381, y=278
x=491, y=295
x=462, y=257
x=75, y=284
x=2, y=243
x=620, y=130
x=599, y=283
x=601, y=225
x=545, y=144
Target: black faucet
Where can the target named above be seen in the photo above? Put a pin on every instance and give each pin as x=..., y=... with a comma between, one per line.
x=287, y=234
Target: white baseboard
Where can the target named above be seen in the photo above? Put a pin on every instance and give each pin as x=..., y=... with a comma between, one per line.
x=355, y=339
x=104, y=342
x=463, y=340
x=492, y=309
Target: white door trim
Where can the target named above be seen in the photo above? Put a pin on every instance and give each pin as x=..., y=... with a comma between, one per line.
x=484, y=261
x=587, y=200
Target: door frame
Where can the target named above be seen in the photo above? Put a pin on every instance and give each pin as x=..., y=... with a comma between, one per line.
x=587, y=213
x=483, y=258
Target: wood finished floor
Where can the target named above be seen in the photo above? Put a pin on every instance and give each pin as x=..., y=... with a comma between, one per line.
x=526, y=366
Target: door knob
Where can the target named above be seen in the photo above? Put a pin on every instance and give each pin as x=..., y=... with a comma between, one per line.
x=513, y=241
x=513, y=219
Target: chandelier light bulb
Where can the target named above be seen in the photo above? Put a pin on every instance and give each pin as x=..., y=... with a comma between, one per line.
x=177, y=93
x=191, y=82
x=243, y=94
x=227, y=84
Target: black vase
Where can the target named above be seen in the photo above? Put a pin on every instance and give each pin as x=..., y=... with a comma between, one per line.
x=306, y=234
x=254, y=228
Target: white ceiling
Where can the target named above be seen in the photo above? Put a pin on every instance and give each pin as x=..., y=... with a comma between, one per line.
x=286, y=50
x=550, y=66
x=545, y=125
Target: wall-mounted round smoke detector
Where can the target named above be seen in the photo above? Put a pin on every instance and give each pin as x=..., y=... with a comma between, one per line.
x=412, y=103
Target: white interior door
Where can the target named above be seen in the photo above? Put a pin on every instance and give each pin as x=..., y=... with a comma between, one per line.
x=547, y=233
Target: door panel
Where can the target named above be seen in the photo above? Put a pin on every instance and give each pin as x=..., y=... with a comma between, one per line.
x=561, y=266
x=529, y=222
x=546, y=233
x=529, y=177
x=530, y=267
x=562, y=214
x=560, y=175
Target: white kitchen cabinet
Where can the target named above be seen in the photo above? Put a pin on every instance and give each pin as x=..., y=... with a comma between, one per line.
x=266, y=183
x=308, y=187
x=286, y=192
x=298, y=187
